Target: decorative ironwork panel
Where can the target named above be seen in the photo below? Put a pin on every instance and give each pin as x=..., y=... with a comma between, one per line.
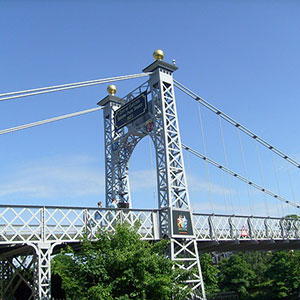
x=290, y=228
x=221, y=227
x=258, y=231
x=64, y=224
x=274, y=228
x=202, y=227
x=19, y=224
x=143, y=220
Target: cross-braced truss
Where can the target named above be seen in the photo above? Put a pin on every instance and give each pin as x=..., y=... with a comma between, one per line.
x=15, y=270
x=160, y=122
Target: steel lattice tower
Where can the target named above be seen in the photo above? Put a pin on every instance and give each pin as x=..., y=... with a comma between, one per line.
x=151, y=110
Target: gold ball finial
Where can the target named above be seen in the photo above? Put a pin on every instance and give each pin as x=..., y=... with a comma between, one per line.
x=158, y=54
x=112, y=89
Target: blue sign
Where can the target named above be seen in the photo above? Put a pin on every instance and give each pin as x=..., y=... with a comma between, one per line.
x=131, y=111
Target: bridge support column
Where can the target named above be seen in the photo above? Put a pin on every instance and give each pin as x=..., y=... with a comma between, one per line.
x=171, y=179
x=42, y=271
x=184, y=253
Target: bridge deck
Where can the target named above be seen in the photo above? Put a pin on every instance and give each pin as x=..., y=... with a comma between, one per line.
x=24, y=225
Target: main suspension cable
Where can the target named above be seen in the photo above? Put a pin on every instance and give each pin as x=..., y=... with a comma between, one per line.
x=68, y=86
x=196, y=153
x=42, y=122
x=235, y=123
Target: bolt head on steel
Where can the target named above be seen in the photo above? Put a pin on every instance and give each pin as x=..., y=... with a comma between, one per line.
x=112, y=89
x=158, y=54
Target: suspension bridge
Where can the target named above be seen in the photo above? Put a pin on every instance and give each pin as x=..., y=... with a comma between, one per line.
x=30, y=235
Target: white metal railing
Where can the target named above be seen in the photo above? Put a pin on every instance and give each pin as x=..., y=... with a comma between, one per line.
x=21, y=224
x=223, y=227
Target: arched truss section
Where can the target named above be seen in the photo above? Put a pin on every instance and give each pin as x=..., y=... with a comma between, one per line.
x=161, y=124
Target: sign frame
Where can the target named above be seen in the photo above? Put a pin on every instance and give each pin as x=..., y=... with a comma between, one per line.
x=186, y=214
x=127, y=111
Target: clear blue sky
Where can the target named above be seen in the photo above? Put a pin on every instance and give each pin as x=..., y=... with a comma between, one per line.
x=242, y=56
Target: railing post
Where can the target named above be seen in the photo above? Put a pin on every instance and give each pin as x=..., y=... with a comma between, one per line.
x=297, y=228
x=85, y=220
x=211, y=229
x=231, y=227
x=282, y=229
x=88, y=223
x=251, y=231
x=155, y=225
x=43, y=224
x=267, y=229
x=121, y=216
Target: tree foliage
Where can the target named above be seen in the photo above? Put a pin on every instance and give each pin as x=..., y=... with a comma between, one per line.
x=284, y=275
x=262, y=275
x=210, y=274
x=119, y=266
x=236, y=275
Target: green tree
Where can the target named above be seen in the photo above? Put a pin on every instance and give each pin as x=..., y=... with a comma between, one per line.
x=210, y=274
x=119, y=266
x=277, y=275
x=259, y=263
x=284, y=275
x=236, y=275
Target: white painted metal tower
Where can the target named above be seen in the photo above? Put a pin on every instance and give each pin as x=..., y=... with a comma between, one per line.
x=151, y=110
